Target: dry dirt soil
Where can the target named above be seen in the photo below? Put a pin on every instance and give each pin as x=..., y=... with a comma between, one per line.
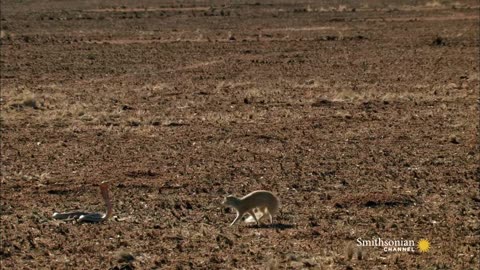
x=361, y=116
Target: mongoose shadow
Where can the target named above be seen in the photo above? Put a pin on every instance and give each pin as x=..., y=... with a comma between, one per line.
x=278, y=226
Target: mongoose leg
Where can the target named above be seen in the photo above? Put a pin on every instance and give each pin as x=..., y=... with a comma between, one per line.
x=271, y=218
x=264, y=212
x=254, y=216
x=236, y=219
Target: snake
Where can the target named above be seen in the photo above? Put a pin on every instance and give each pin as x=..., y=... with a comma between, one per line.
x=91, y=217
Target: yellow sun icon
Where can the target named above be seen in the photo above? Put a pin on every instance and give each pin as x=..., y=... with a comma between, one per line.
x=423, y=245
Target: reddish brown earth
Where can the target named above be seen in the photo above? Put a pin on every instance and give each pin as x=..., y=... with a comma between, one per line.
x=362, y=118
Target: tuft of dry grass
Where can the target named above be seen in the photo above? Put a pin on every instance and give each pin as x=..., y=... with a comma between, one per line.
x=4, y=35
x=352, y=252
x=454, y=139
x=349, y=252
x=24, y=99
x=125, y=257
x=434, y=4
x=262, y=95
x=272, y=264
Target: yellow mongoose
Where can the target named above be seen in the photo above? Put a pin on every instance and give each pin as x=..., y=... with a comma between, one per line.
x=262, y=200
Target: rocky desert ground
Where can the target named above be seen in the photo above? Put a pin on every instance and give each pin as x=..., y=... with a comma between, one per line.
x=362, y=116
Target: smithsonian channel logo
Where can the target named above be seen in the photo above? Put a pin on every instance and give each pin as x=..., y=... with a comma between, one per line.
x=396, y=245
